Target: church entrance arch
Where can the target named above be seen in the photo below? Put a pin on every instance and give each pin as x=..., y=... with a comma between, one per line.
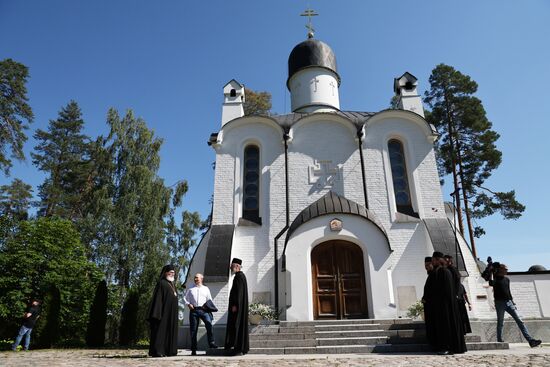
x=338, y=274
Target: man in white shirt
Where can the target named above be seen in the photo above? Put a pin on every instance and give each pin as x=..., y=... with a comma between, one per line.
x=194, y=298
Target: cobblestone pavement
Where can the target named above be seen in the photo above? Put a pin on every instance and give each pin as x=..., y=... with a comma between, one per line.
x=518, y=356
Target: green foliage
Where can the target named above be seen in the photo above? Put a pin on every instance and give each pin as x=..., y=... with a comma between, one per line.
x=415, y=310
x=47, y=332
x=256, y=103
x=467, y=145
x=37, y=257
x=129, y=319
x=95, y=333
x=15, y=112
x=15, y=200
x=63, y=153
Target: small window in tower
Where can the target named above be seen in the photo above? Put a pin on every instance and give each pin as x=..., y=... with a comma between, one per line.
x=233, y=93
x=251, y=184
x=409, y=86
x=400, y=179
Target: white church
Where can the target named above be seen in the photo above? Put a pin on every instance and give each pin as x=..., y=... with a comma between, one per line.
x=331, y=211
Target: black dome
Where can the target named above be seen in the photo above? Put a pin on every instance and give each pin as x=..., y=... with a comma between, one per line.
x=535, y=268
x=311, y=52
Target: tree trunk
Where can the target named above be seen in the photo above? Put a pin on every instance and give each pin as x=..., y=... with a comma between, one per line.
x=453, y=163
x=466, y=204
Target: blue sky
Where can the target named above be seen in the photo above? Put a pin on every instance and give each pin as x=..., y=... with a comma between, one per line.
x=168, y=61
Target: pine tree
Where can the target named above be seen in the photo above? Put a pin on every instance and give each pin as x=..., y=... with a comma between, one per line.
x=63, y=154
x=15, y=112
x=466, y=148
x=15, y=200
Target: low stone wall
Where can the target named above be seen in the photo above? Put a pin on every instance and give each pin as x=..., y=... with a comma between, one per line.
x=487, y=330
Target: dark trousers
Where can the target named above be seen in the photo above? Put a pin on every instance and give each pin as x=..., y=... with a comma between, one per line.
x=195, y=316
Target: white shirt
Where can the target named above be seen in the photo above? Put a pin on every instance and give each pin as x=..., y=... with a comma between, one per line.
x=197, y=295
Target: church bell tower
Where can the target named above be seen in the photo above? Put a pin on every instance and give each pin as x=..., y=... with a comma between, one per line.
x=313, y=80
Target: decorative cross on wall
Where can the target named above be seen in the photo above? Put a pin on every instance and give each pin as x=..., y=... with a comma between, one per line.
x=314, y=82
x=323, y=173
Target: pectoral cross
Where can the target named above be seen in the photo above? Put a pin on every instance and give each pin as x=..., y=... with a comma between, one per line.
x=309, y=13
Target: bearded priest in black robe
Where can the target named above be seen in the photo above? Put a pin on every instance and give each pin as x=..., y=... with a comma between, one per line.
x=163, y=315
x=449, y=334
x=236, y=337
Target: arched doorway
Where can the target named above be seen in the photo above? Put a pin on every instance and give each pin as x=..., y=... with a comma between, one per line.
x=338, y=274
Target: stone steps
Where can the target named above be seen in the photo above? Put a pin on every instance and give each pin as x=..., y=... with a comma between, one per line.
x=379, y=348
x=349, y=336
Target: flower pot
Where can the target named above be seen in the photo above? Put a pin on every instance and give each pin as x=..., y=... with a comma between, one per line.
x=255, y=319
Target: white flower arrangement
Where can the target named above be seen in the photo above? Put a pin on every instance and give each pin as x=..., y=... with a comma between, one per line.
x=267, y=312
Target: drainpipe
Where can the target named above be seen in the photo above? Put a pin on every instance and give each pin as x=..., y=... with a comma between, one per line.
x=287, y=222
x=360, y=137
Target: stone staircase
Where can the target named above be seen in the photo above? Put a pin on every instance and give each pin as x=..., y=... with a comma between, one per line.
x=349, y=336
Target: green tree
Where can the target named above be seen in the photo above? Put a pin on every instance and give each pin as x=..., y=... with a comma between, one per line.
x=44, y=254
x=257, y=103
x=63, y=153
x=15, y=112
x=15, y=200
x=466, y=148
x=95, y=333
x=137, y=207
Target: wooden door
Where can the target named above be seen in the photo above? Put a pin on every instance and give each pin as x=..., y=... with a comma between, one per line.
x=339, y=290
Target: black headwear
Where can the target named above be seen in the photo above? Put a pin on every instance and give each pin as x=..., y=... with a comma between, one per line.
x=427, y=259
x=166, y=268
x=448, y=257
x=437, y=254
x=236, y=261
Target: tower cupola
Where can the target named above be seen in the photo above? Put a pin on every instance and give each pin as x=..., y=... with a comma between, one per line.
x=313, y=78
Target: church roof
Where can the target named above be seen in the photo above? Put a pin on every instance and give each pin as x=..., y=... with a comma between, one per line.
x=332, y=203
x=311, y=53
x=358, y=118
x=443, y=240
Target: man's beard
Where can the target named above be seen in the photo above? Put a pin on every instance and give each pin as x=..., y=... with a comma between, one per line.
x=170, y=279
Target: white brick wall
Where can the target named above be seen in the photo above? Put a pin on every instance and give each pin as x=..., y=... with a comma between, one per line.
x=325, y=137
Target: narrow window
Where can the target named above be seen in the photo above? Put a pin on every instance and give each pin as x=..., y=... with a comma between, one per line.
x=233, y=93
x=251, y=184
x=399, y=178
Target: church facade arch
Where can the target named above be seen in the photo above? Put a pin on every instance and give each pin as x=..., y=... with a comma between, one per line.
x=298, y=289
x=247, y=121
x=323, y=117
x=407, y=116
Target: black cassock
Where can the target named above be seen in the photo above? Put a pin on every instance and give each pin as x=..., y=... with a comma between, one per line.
x=429, y=317
x=459, y=289
x=449, y=334
x=462, y=310
x=236, y=336
x=163, y=319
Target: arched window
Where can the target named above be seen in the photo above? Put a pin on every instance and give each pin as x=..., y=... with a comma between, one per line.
x=251, y=184
x=399, y=177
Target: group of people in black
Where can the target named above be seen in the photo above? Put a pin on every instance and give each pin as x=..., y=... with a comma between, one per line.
x=445, y=302
x=163, y=313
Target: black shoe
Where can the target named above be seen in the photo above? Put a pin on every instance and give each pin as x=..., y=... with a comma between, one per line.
x=213, y=346
x=444, y=353
x=534, y=343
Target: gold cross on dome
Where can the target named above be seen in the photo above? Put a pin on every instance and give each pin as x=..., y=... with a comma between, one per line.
x=309, y=13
